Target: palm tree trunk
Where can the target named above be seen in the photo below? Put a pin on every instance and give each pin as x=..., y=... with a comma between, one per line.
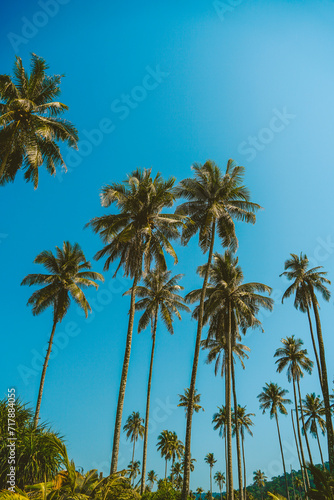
x=283, y=461
x=121, y=394
x=142, y=487
x=166, y=469
x=329, y=426
x=228, y=407
x=46, y=361
x=303, y=422
x=133, y=451
x=237, y=432
x=293, y=485
x=187, y=451
x=244, y=461
x=225, y=433
x=322, y=458
x=314, y=345
x=299, y=436
x=297, y=447
x=211, y=481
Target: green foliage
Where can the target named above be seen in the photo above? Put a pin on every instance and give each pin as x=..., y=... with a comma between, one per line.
x=324, y=484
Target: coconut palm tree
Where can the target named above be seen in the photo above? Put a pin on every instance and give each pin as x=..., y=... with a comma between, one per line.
x=306, y=282
x=219, y=477
x=176, y=447
x=134, y=470
x=213, y=202
x=134, y=429
x=184, y=401
x=170, y=447
x=192, y=465
x=30, y=122
x=273, y=398
x=152, y=477
x=232, y=305
x=199, y=492
x=259, y=479
x=176, y=472
x=219, y=421
x=210, y=460
x=245, y=423
x=157, y=294
x=137, y=235
x=294, y=358
x=314, y=410
x=69, y=273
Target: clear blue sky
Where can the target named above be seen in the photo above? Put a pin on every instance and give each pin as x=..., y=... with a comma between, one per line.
x=253, y=82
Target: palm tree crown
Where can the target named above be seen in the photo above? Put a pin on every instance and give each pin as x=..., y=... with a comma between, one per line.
x=30, y=123
x=184, y=401
x=292, y=357
x=314, y=410
x=272, y=398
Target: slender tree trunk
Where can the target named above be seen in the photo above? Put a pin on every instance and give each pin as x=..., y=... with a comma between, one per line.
x=221, y=493
x=244, y=461
x=328, y=414
x=166, y=469
x=283, y=461
x=121, y=394
x=237, y=432
x=142, y=487
x=322, y=458
x=211, y=481
x=228, y=407
x=314, y=345
x=303, y=422
x=46, y=361
x=225, y=433
x=299, y=436
x=297, y=447
x=133, y=451
x=293, y=485
x=187, y=451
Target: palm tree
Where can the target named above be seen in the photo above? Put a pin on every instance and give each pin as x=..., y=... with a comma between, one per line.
x=170, y=447
x=177, y=474
x=273, y=398
x=184, y=401
x=259, y=479
x=136, y=236
x=30, y=123
x=192, y=465
x=134, y=429
x=306, y=282
x=294, y=358
x=176, y=447
x=314, y=409
x=219, y=477
x=231, y=304
x=214, y=201
x=69, y=273
x=152, y=477
x=210, y=460
x=219, y=421
x=245, y=423
x=158, y=293
x=199, y=492
x=134, y=470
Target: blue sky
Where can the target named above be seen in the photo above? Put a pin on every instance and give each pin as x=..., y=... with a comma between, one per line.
x=248, y=80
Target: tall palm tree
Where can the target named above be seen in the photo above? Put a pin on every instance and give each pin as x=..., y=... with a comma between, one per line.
x=210, y=460
x=176, y=447
x=219, y=477
x=137, y=235
x=152, y=477
x=134, y=429
x=30, y=122
x=219, y=421
x=177, y=474
x=245, y=423
x=184, y=401
x=214, y=201
x=170, y=447
x=294, y=358
x=314, y=410
x=260, y=478
x=232, y=305
x=199, y=492
x=306, y=282
x=157, y=294
x=69, y=272
x=134, y=470
x=273, y=398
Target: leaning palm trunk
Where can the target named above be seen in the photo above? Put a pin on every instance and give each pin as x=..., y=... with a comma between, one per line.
x=297, y=448
x=324, y=386
x=228, y=407
x=119, y=412
x=283, y=461
x=244, y=463
x=210, y=481
x=316, y=432
x=187, y=450
x=314, y=345
x=303, y=422
x=46, y=361
x=142, y=487
x=237, y=433
x=299, y=436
